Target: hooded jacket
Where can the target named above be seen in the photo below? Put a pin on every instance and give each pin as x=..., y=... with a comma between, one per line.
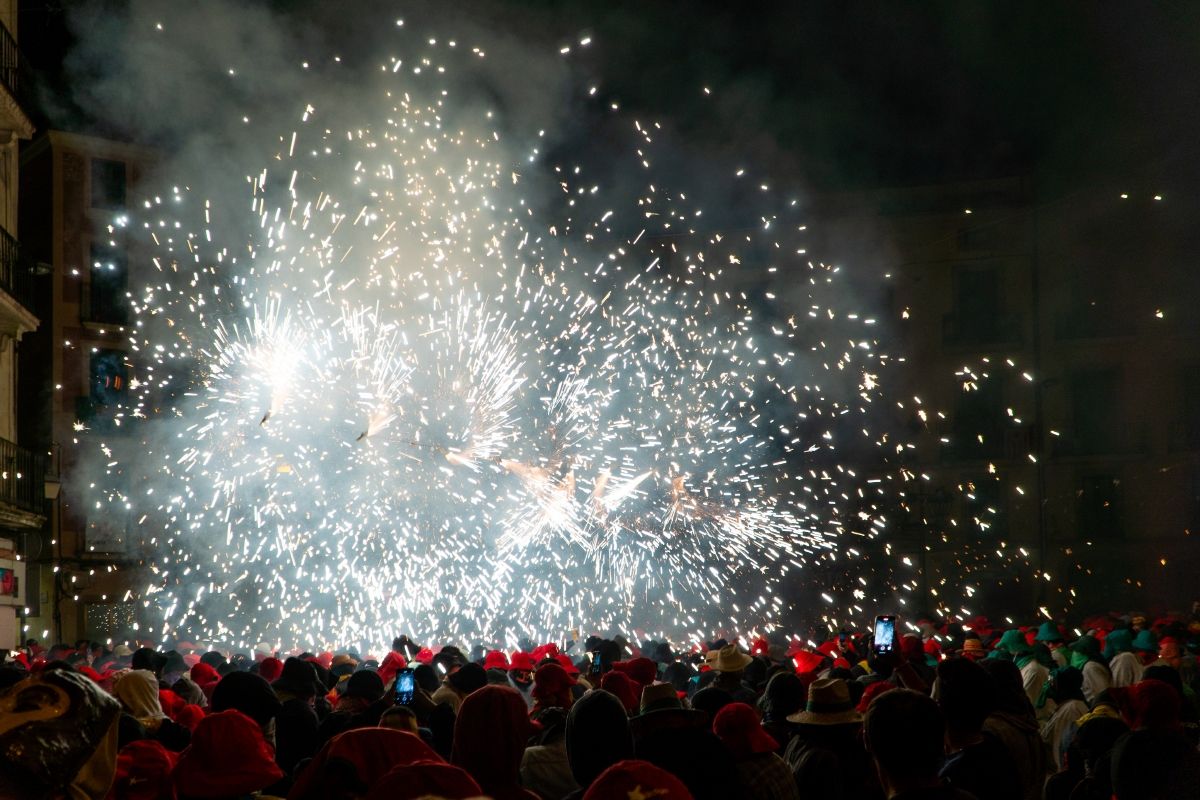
x=597, y=735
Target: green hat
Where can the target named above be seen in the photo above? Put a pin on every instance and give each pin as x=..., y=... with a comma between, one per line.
x=1013, y=642
x=1117, y=641
x=1145, y=641
x=1048, y=633
x=1087, y=646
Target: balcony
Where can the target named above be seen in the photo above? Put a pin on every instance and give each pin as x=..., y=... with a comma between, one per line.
x=22, y=486
x=16, y=275
x=12, y=79
x=994, y=331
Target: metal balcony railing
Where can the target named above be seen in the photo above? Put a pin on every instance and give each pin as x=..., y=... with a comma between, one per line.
x=16, y=277
x=22, y=477
x=10, y=63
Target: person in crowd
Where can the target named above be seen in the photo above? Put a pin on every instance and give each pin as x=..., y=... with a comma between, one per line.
x=730, y=666
x=825, y=754
x=1086, y=772
x=623, y=688
x=1013, y=722
x=139, y=695
x=904, y=733
x=459, y=684
x=520, y=675
x=359, y=706
x=1123, y=664
x=1086, y=657
x=489, y=741
x=228, y=758
x=1154, y=761
x=976, y=760
x=1066, y=692
x=1051, y=637
x=296, y=723
x=597, y=736
x=763, y=774
x=545, y=769
x=551, y=688
x=783, y=696
x=424, y=779
x=400, y=718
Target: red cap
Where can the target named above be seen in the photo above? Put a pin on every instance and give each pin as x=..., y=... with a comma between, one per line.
x=495, y=659
x=521, y=661
x=228, y=756
x=567, y=664
x=424, y=656
x=739, y=727
x=633, y=779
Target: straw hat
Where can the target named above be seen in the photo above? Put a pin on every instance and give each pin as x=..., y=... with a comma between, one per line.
x=658, y=696
x=973, y=648
x=730, y=660
x=828, y=704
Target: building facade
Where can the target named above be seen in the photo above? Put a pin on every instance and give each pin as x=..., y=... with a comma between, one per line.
x=76, y=369
x=1056, y=332
x=22, y=492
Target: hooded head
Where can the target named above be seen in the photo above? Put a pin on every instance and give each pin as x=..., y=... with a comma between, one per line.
x=490, y=735
x=639, y=779
x=552, y=687
x=597, y=735
x=425, y=779
x=249, y=694
x=227, y=757
x=623, y=688
x=138, y=693
x=468, y=678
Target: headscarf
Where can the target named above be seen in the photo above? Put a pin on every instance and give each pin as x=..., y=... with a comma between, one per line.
x=138, y=692
x=489, y=740
x=597, y=735
x=228, y=756
x=551, y=688
x=425, y=778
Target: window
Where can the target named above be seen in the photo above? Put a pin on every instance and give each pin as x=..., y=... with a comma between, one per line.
x=1099, y=508
x=979, y=422
x=109, y=278
x=108, y=184
x=109, y=377
x=978, y=318
x=1094, y=409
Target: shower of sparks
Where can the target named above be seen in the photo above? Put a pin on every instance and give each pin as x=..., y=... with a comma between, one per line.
x=412, y=402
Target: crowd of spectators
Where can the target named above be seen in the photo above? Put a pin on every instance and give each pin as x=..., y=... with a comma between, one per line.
x=957, y=710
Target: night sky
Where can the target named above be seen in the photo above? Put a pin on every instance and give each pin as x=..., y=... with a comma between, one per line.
x=836, y=95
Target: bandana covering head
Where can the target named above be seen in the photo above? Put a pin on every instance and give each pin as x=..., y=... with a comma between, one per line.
x=138, y=692
x=489, y=738
x=637, y=780
x=228, y=757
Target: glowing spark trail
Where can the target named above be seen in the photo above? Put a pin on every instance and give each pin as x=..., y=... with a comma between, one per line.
x=412, y=402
